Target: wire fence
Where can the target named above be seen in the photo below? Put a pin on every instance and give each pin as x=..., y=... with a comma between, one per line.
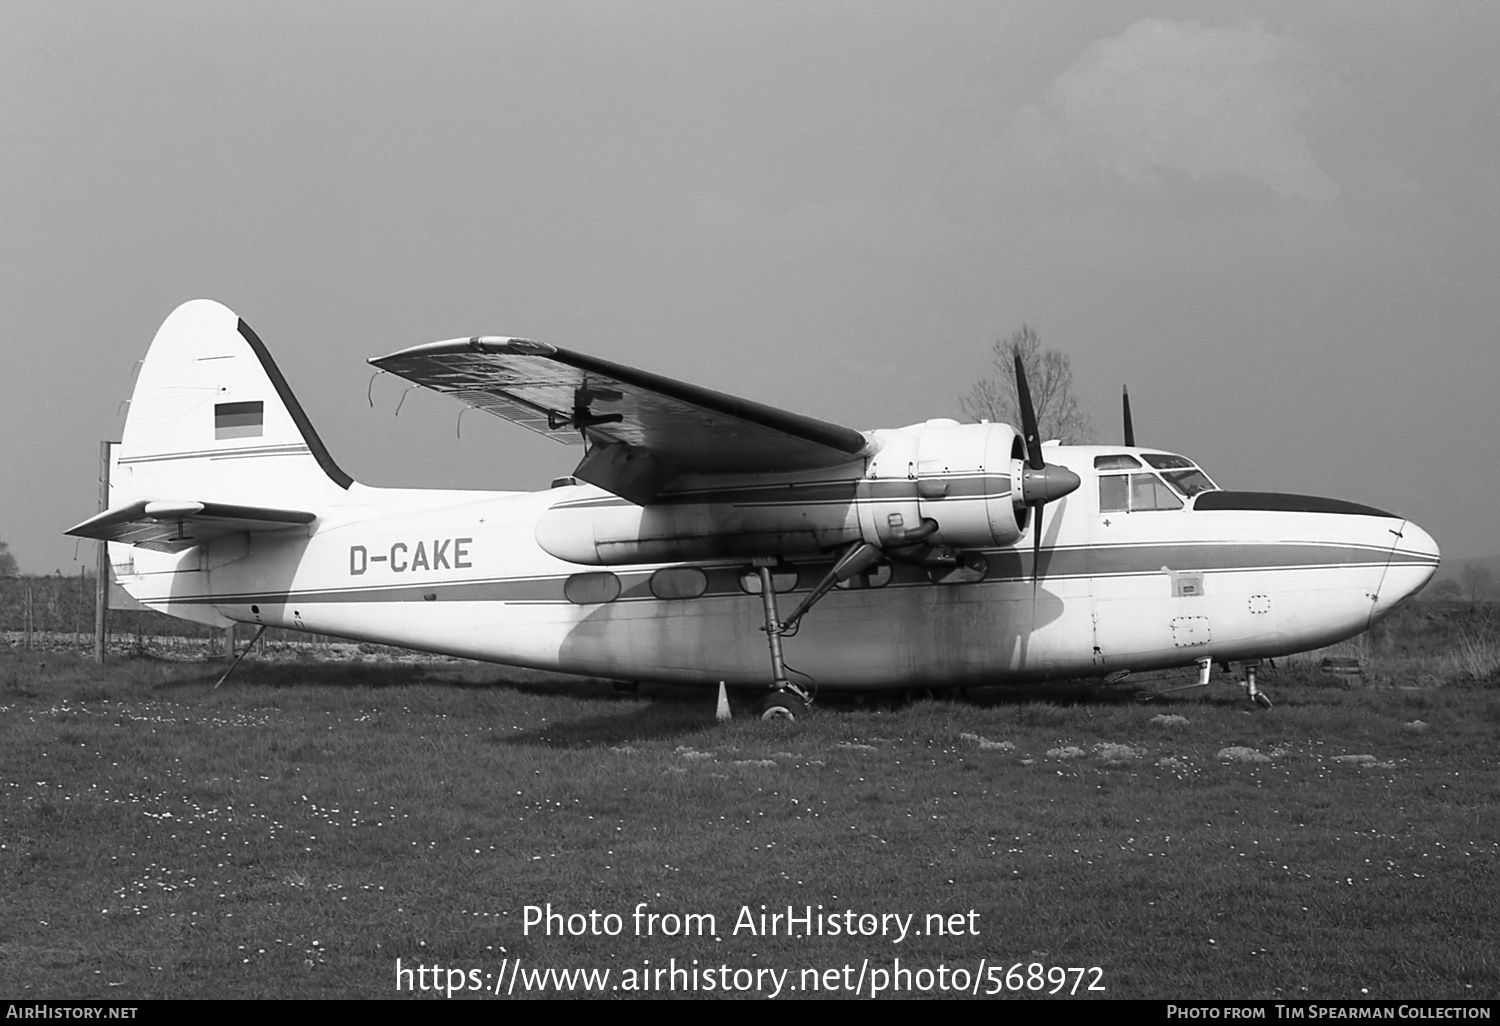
x=56, y=613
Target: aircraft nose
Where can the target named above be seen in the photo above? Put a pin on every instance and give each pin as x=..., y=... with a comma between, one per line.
x=1419, y=542
x=1413, y=561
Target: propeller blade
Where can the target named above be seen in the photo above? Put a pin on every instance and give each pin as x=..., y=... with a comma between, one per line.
x=1029, y=429
x=1036, y=550
x=1040, y=483
x=1129, y=427
x=1039, y=487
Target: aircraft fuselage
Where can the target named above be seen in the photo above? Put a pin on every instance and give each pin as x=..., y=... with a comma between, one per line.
x=462, y=573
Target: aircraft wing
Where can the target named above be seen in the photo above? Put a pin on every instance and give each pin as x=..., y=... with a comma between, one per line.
x=172, y=526
x=644, y=430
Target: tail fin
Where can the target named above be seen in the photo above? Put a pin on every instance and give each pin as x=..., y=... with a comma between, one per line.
x=212, y=418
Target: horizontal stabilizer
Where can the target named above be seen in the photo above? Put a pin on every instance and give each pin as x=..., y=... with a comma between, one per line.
x=173, y=525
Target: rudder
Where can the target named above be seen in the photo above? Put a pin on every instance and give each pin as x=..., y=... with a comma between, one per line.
x=211, y=415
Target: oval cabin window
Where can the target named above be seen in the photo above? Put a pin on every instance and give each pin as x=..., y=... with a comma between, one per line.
x=592, y=589
x=679, y=582
x=783, y=578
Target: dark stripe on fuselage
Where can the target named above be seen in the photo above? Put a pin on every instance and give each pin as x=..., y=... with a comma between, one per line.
x=1006, y=566
x=1126, y=560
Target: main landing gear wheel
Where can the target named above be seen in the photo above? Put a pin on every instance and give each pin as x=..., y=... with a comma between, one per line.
x=781, y=705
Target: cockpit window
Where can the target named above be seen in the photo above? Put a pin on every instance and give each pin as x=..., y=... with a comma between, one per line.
x=1184, y=477
x=1117, y=461
x=1189, y=482
x=1134, y=493
x=1148, y=492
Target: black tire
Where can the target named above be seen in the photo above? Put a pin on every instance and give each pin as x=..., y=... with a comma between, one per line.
x=781, y=705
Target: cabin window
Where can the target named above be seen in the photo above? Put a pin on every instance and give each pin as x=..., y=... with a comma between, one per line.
x=877, y=576
x=592, y=589
x=1168, y=461
x=679, y=582
x=783, y=578
x=1116, y=461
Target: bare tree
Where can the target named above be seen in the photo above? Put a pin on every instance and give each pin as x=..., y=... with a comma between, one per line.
x=1049, y=376
x=8, y=565
x=1476, y=580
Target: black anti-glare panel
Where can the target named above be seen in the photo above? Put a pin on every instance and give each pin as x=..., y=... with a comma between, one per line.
x=1276, y=502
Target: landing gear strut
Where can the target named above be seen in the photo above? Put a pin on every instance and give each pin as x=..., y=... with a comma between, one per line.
x=786, y=701
x=1251, y=691
x=773, y=627
x=240, y=658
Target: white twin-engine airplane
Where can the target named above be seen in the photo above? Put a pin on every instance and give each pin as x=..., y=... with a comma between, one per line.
x=695, y=517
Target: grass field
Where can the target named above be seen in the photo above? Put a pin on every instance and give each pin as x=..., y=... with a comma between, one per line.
x=298, y=831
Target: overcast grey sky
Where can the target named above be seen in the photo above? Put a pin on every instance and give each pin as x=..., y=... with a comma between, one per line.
x=1279, y=223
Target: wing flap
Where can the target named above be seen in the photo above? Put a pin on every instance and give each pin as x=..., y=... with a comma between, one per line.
x=646, y=429
x=175, y=525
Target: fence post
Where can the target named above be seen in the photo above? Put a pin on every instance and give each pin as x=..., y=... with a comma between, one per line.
x=101, y=568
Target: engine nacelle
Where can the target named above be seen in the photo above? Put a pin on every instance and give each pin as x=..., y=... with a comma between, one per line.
x=968, y=480
x=937, y=483
x=791, y=515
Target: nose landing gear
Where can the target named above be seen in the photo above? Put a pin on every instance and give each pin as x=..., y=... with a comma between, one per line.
x=1205, y=676
x=1252, y=692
